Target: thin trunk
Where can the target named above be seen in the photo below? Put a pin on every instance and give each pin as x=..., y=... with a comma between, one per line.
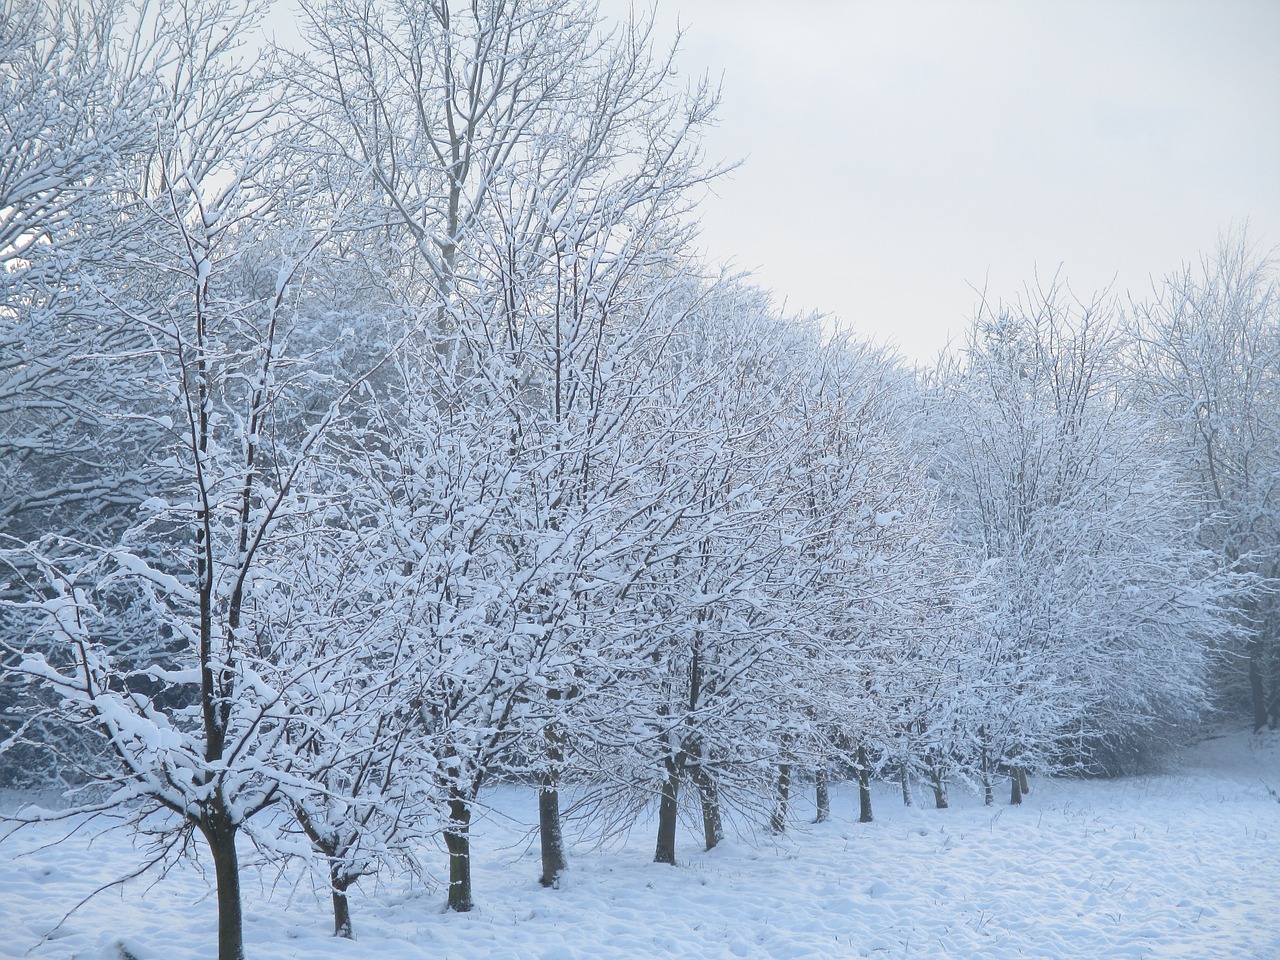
x=709, y=794
x=667, y=810
x=220, y=833
x=864, y=786
x=553, y=859
x=458, y=840
x=1015, y=786
x=904, y=778
x=939, y=784
x=339, y=884
x=823, y=790
x=1257, y=689
x=988, y=795
x=1274, y=707
x=1022, y=782
x=782, y=800
x=339, y=880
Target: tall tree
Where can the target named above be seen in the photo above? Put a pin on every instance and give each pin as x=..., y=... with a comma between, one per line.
x=77, y=116
x=1101, y=606
x=528, y=171
x=1207, y=365
x=195, y=724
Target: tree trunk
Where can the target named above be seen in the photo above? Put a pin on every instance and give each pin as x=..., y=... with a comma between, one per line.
x=667, y=810
x=220, y=833
x=709, y=794
x=988, y=795
x=823, y=790
x=1257, y=689
x=549, y=829
x=904, y=778
x=1274, y=703
x=939, y=785
x=338, y=885
x=457, y=839
x=553, y=861
x=864, y=786
x=1015, y=786
x=778, y=822
x=1022, y=782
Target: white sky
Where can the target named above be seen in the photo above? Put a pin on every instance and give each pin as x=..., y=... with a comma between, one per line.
x=899, y=154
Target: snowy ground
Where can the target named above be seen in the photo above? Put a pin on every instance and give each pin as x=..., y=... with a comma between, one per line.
x=1182, y=865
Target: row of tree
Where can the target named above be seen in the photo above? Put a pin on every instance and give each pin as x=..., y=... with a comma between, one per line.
x=370, y=432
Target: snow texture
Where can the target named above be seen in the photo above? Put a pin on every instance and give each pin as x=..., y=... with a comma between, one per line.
x=1176, y=865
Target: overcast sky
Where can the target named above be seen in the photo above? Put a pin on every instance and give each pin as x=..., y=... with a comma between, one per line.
x=899, y=153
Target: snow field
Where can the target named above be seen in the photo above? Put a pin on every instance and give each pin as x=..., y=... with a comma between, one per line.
x=1179, y=865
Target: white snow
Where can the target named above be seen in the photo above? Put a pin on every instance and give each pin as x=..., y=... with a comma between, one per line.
x=1177, y=865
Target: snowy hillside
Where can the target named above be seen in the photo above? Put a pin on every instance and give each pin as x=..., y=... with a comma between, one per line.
x=1178, y=865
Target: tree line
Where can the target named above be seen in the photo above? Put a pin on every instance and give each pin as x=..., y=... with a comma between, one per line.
x=371, y=431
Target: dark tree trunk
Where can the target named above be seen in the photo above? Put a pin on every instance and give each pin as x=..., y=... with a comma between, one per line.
x=988, y=795
x=668, y=807
x=1257, y=689
x=782, y=800
x=1274, y=702
x=823, y=790
x=553, y=861
x=220, y=833
x=458, y=840
x=864, y=786
x=1022, y=782
x=339, y=884
x=904, y=778
x=1015, y=786
x=709, y=794
x=939, y=785
x=339, y=880
x=552, y=836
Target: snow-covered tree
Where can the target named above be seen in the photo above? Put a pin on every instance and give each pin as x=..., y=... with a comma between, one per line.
x=1207, y=367
x=196, y=723
x=792, y=537
x=872, y=566
x=74, y=118
x=717, y=645
x=1100, y=606
x=525, y=172
x=359, y=763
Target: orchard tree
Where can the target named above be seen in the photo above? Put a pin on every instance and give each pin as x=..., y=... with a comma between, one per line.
x=76, y=116
x=1100, y=606
x=525, y=172
x=360, y=764
x=75, y=122
x=872, y=566
x=1206, y=364
x=197, y=725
